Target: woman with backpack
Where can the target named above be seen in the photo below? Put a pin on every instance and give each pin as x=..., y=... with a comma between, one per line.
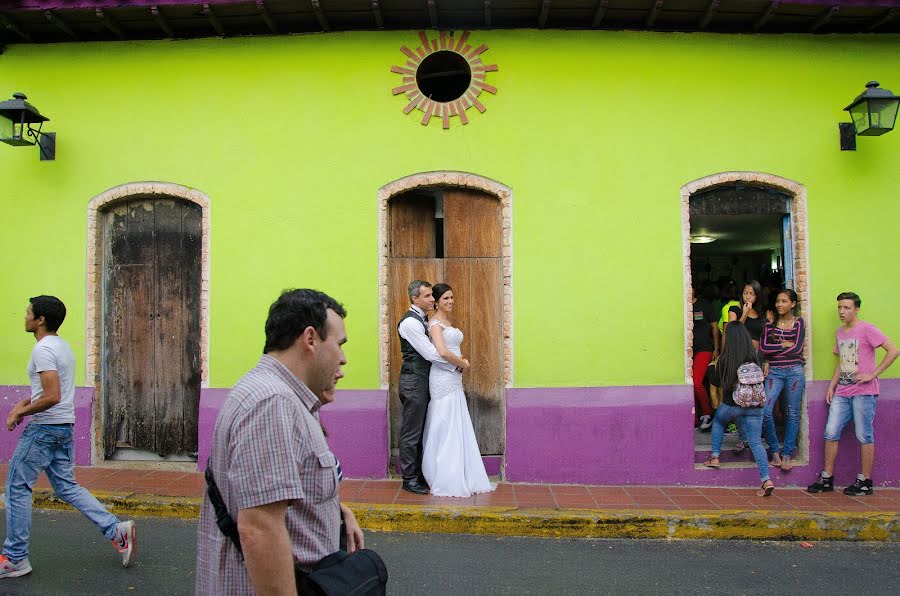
x=739, y=373
x=782, y=345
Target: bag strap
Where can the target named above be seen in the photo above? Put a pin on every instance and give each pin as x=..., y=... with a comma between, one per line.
x=224, y=521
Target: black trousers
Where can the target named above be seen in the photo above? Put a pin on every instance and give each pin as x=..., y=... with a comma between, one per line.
x=414, y=396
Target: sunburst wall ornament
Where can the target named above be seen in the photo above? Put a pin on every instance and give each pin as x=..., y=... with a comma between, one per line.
x=444, y=77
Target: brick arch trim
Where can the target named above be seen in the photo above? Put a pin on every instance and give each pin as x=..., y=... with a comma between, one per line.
x=451, y=179
x=94, y=285
x=799, y=229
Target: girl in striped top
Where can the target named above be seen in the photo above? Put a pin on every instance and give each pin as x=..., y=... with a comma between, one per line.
x=782, y=345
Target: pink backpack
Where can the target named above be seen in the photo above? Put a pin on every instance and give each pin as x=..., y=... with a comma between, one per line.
x=750, y=391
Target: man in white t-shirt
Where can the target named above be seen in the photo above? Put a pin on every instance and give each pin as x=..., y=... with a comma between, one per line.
x=46, y=444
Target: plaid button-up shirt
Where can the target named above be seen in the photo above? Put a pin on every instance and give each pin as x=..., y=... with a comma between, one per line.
x=268, y=446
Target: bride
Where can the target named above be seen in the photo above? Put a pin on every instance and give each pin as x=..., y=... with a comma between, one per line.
x=451, y=461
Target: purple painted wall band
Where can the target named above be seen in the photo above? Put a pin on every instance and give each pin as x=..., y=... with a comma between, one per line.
x=84, y=402
x=582, y=435
x=645, y=435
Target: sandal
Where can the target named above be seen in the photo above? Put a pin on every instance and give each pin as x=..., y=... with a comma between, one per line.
x=740, y=447
x=765, y=490
x=712, y=462
x=786, y=463
x=776, y=461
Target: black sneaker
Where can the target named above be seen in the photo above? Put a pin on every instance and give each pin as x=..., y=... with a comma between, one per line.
x=821, y=485
x=860, y=487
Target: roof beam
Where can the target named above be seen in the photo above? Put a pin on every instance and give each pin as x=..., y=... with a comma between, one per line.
x=376, y=12
x=161, y=21
x=545, y=13
x=599, y=12
x=266, y=16
x=59, y=24
x=432, y=13
x=711, y=11
x=654, y=12
x=888, y=15
x=10, y=26
x=766, y=15
x=213, y=19
x=109, y=23
x=487, y=13
x=320, y=15
x=824, y=18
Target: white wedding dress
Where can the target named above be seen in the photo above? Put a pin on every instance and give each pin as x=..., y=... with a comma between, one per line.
x=451, y=461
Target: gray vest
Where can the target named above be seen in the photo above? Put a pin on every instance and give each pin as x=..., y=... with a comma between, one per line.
x=413, y=363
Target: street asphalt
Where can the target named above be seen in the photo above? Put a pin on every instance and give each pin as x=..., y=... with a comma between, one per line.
x=69, y=556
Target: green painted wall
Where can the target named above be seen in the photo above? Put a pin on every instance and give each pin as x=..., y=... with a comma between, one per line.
x=595, y=132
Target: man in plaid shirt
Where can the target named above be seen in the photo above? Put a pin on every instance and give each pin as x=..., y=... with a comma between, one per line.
x=277, y=476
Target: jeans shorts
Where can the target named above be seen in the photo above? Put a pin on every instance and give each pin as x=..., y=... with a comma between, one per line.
x=859, y=407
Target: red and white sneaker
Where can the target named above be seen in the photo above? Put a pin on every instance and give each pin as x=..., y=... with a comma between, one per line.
x=125, y=541
x=10, y=569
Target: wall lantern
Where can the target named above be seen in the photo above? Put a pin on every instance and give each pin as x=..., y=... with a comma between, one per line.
x=16, y=119
x=873, y=112
x=702, y=239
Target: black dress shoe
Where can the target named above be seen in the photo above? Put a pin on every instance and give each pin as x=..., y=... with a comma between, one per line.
x=414, y=486
x=424, y=482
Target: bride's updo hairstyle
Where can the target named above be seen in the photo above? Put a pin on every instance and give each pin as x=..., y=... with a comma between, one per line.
x=439, y=290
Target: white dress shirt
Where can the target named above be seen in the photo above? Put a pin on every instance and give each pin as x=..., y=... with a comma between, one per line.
x=412, y=330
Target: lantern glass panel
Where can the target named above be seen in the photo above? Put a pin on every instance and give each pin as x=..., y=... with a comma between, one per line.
x=6, y=128
x=883, y=115
x=860, y=116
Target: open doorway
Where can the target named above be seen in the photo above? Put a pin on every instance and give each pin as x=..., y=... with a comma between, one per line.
x=739, y=233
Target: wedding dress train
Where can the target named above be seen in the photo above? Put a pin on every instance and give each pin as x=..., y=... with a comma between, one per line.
x=451, y=461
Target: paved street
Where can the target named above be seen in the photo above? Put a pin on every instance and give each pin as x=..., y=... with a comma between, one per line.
x=70, y=557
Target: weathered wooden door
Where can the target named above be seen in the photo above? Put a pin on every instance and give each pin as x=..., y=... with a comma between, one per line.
x=462, y=249
x=151, y=326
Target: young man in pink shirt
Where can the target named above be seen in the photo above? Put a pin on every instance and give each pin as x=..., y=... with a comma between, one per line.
x=853, y=392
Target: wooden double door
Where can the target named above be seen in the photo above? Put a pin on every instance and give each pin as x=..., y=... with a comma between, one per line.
x=454, y=236
x=151, y=372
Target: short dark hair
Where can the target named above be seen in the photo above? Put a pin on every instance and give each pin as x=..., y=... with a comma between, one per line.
x=51, y=308
x=415, y=287
x=294, y=311
x=857, y=301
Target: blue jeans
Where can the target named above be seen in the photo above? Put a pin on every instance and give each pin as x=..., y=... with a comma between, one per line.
x=46, y=447
x=750, y=419
x=791, y=381
x=859, y=407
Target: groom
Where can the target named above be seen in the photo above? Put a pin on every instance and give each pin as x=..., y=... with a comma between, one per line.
x=418, y=354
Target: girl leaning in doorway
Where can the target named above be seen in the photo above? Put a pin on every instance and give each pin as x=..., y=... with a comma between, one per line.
x=738, y=350
x=750, y=313
x=782, y=345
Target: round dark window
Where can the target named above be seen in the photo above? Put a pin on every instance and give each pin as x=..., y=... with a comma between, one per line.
x=443, y=76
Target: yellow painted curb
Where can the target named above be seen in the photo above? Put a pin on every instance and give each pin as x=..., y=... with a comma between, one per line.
x=734, y=524
x=719, y=524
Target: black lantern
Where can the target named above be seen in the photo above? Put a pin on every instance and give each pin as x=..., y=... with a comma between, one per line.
x=17, y=118
x=874, y=112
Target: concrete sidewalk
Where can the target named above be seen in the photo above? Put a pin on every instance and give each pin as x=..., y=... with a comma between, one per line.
x=563, y=511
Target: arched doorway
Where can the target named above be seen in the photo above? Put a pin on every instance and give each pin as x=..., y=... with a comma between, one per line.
x=454, y=235
x=149, y=325
x=738, y=227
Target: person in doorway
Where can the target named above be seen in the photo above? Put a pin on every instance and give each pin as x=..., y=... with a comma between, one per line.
x=46, y=444
x=853, y=392
x=749, y=312
x=782, y=345
x=738, y=350
x=705, y=349
x=451, y=461
x=277, y=477
x=418, y=354
x=728, y=297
